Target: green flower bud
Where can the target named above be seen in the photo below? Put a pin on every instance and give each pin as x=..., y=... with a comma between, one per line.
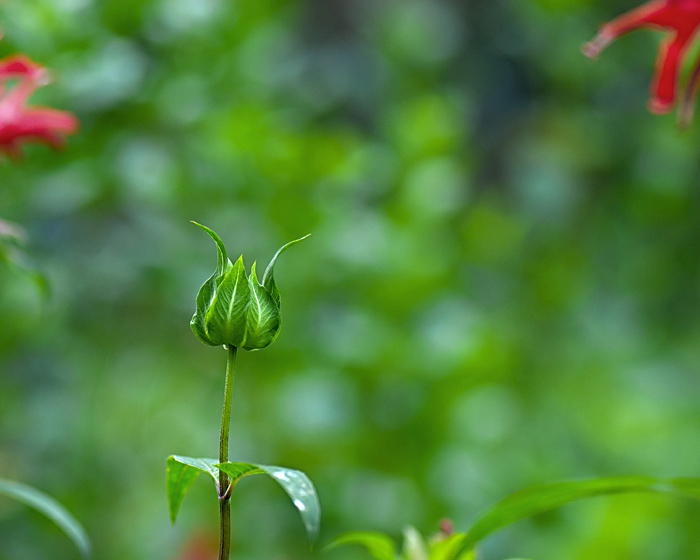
x=236, y=310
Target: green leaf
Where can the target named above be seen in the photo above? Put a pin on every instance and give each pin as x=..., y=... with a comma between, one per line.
x=13, y=239
x=268, y=280
x=12, y=233
x=237, y=470
x=467, y=555
x=296, y=484
x=379, y=545
x=414, y=547
x=262, y=316
x=685, y=485
x=50, y=508
x=448, y=548
x=181, y=472
x=545, y=497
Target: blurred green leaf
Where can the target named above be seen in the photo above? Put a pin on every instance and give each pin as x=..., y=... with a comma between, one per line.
x=296, y=484
x=11, y=233
x=379, y=545
x=544, y=497
x=467, y=555
x=686, y=485
x=12, y=240
x=449, y=548
x=50, y=508
x=414, y=546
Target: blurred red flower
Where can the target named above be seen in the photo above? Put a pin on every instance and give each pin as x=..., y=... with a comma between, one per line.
x=681, y=18
x=20, y=123
x=199, y=546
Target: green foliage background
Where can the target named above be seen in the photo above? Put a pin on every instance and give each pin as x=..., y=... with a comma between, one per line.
x=501, y=289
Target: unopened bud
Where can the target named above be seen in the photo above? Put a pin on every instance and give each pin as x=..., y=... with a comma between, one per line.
x=234, y=309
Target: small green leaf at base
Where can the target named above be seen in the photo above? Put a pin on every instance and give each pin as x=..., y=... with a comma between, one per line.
x=50, y=508
x=295, y=483
x=379, y=545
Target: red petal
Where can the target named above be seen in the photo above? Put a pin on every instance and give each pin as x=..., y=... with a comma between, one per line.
x=682, y=19
x=19, y=123
x=629, y=21
x=665, y=82
x=20, y=65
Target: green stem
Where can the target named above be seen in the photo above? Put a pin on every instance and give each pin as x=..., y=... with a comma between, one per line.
x=224, y=490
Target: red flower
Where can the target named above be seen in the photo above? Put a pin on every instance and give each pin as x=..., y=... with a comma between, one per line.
x=681, y=18
x=20, y=123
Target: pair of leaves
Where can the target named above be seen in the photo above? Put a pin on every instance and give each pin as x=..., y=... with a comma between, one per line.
x=50, y=508
x=236, y=310
x=183, y=471
x=520, y=505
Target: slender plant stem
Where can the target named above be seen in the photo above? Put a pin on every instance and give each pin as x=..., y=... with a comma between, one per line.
x=224, y=528
x=224, y=490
